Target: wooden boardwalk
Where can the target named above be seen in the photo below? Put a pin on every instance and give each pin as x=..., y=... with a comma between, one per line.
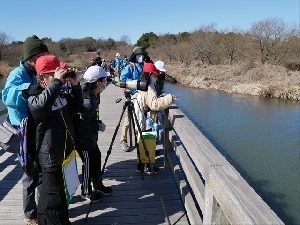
x=133, y=201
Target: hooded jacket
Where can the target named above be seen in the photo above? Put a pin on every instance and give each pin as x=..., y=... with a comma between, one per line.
x=18, y=80
x=132, y=71
x=54, y=116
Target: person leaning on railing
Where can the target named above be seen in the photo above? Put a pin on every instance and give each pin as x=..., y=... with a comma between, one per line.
x=147, y=102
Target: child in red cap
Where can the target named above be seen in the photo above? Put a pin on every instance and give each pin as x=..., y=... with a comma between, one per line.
x=146, y=102
x=52, y=114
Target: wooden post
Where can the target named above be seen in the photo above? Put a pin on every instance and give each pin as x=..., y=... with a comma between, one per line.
x=208, y=205
x=166, y=137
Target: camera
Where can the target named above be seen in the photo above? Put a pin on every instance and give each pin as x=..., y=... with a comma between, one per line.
x=141, y=85
x=70, y=74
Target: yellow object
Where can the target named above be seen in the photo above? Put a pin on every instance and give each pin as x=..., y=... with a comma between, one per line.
x=150, y=141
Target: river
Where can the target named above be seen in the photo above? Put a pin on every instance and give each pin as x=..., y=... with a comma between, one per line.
x=259, y=136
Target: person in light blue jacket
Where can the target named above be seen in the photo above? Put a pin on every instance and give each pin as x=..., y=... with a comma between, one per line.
x=117, y=64
x=20, y=83
x=125, y=61
x=132, y=71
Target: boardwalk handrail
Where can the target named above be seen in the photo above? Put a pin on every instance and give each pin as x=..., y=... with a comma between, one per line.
x=211, y=189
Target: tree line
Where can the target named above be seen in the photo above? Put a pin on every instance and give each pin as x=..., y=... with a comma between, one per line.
x=269, y=41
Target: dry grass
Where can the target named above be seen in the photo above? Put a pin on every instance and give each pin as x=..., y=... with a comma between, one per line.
x=4, y=69
x=244, y=78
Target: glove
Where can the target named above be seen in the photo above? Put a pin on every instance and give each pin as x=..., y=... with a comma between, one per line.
x=33, y=89
x=101, y=127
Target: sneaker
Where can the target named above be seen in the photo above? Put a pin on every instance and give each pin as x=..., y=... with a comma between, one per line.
x=124, y=146
x=104, y=190
x=148, y=170
x=88, y=197
x=157, y=152
x=140, y=167
x=30, y=221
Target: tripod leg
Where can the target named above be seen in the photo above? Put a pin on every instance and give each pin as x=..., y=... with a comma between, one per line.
x=130, y=111
x=130, y=126
x=106, y=158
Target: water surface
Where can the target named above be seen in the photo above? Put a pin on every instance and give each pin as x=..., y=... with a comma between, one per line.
x=258, y=136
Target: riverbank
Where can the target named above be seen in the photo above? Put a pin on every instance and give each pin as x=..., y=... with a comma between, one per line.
x=244, y=78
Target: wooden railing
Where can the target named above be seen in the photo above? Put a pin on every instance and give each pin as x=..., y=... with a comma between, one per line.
x=212, y=191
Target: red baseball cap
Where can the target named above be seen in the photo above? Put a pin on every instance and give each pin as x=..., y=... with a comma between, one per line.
x=64, y=66
x=150, y=68
x=46, y=64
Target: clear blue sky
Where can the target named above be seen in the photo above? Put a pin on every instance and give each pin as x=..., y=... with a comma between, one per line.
x=58, y=19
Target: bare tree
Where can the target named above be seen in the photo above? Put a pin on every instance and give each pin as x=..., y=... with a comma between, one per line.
x=232, y=44
x=166, y=44
x=271, y=37
x=183, y=52
x=204, y=43
x=125, y=39
x=4, y=41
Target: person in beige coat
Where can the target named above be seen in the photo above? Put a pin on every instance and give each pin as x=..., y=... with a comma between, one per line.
x=146, y=102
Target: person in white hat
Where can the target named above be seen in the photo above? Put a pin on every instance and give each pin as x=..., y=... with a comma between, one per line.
x=117, y=64
x=162, y=70
x=86, y=134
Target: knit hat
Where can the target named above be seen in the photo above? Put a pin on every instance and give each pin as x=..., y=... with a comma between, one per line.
x=32, y=46
x=160, y=65
x=46, y=64
x=93, y=73
x=150, y=68
x=137, y=51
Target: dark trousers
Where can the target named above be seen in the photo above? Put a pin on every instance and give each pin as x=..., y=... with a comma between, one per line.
x=31, y=186
x=91, y=169
x=52, y=207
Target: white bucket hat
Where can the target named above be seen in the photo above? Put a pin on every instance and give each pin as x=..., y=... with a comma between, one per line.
x=160, y=65
x=93, y=73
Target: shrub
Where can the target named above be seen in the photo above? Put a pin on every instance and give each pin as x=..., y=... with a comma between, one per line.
x=294, y=66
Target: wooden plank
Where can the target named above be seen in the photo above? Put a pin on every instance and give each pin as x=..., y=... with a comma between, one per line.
x=188, y=201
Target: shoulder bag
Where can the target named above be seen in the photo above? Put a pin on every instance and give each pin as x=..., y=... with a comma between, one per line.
x=10, y=137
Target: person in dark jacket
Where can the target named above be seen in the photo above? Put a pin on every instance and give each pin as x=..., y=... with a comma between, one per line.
x=18, y=86
x=52, y=114
x=86, y=134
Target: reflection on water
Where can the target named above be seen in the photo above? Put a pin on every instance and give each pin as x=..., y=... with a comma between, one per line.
x=258, y=136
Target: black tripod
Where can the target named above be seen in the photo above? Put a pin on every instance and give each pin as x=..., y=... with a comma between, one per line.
x=132, y=118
